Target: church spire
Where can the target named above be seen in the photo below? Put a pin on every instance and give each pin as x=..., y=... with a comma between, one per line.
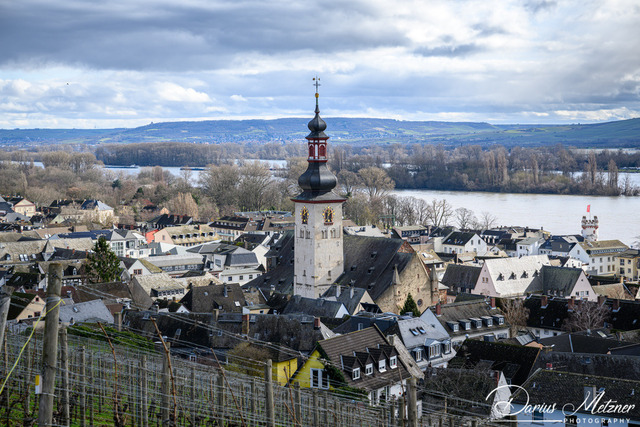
x=317, y=179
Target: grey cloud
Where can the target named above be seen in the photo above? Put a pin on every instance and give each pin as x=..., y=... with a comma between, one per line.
x=451, y=50
x=175, y=37
x=536, y=6
x=488, y=30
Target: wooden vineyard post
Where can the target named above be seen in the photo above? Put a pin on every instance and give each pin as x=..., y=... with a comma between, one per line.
x=64, y=361
x=50, y=345
x=268, y=390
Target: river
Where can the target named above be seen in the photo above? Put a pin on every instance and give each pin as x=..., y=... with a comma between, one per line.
x=559, y=214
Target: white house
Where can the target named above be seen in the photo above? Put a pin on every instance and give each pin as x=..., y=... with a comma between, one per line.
x=460, y=242
x=509, y=277
x=599, y=258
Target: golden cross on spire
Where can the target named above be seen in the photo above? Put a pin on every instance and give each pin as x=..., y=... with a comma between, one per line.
x=316, y=79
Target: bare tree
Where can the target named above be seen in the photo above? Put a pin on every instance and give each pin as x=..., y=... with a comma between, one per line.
x=439, y=212
x=515, y=314
x=376, y=181
x=183, y=204
x=349, y=182
x=586, y=315
x=487, y=220
x=220, y=183
x=465, y=218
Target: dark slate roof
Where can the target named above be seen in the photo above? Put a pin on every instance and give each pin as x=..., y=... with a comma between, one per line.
x=458, y=238
x=466, y=310
x=355, y=323
x=113, y=292
x=293, y=331
x=465, y=276
x=316, y=307
x=194, y=327
x=560, y=280
x=360, y=344
x=607, y=365
x=204, y=299
x=350, y=297
x=552, y=316
x=368, y=261
x=166, y=220
x=580, y=343
x=626, y=317
x=503, y=357
x=562, y=388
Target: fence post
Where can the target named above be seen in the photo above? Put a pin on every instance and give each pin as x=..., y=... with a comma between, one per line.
x=297, y=410
x=50, y=345
x=64, y=362
x=165, y=387
x=316, y=413
x=268, y=390
x=83, y=388
x=413, y=403
x=401, y=413
x=143, y=392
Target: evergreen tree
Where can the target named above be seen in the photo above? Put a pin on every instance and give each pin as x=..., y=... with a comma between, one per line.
x=410, y=306
x=102, y=265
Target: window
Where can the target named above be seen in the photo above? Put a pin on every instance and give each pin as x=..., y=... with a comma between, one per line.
x=447, y=347
x=318, y=379
x=241, y=277
x=418, y=354
x=356, y=373
x=229, y=279
x=393, y=362
x=369, y=369
x=434, y=351
x=382, y=365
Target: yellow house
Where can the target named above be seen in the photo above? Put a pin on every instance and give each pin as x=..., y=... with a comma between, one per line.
x=362, y=360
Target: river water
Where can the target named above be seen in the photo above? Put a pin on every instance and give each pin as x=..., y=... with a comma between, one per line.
x=559, y=214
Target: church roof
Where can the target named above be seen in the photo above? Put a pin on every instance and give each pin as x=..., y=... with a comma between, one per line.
x=369, y=264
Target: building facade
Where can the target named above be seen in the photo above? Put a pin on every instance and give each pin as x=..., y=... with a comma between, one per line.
x=319, y=256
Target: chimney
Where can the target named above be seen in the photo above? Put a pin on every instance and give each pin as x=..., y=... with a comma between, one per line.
x=391, y=339
x=316, y=323
x=338, y=290
x=544, y=301
x=571, y=303
x=351, y=293
x=245, y=324
x=438, y=310
x=493, y=302
x=117, y=319
x=225, y=291
x=616, y=305
x=549, y=366
x=601, y=299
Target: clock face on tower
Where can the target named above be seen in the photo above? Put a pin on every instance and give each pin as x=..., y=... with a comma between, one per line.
x=304, y=214
x=327, y=214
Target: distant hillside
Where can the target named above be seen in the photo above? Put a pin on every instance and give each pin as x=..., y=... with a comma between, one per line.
x=620, y=134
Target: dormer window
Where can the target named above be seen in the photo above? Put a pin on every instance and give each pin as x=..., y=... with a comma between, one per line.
x=500, y=276
x=418, y=354
x=382, y=365
x=393, y=362
x=369, y=369
x=453, y=326
x=512, y=276
x=355, y=374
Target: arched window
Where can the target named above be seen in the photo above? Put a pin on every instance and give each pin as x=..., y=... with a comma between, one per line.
x=311, y=151
x=322, y=151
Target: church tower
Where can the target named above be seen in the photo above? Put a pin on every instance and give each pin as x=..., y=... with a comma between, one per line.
x=319, y=257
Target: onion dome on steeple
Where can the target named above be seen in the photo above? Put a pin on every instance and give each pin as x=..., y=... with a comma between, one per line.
x=317, y=181
x=317, y=125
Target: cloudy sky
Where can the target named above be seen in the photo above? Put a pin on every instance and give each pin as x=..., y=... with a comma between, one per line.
x=125, y=63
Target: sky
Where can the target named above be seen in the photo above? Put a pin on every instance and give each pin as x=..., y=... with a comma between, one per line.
x=126, y=63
